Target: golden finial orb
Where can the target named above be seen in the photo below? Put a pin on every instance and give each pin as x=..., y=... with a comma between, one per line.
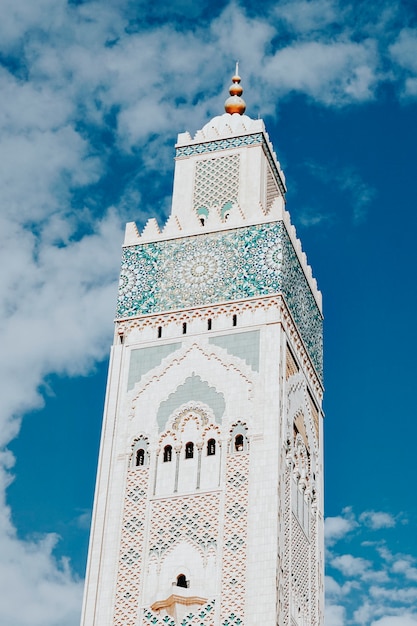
x=235, y=104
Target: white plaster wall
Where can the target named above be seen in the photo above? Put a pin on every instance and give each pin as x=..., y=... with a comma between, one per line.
x=251, y=195
x=108, y=505
x=254, y=398
x=265, y=451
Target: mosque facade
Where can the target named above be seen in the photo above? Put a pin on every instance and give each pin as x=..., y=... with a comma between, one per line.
x=208, y=508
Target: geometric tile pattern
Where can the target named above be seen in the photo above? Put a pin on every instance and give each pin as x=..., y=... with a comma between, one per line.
x=220, y=267
x=314, y=415
x=203, y=617
x=291, y=364
x=232, y=620
x=216, y=184
x=300, y=560
x=271, y=189
x=131, y=549
x=315, y=564
x=235, y=540
x=286, y=600
x=220, y=144
x=234, y=142
x=151, y=618
x=194, y=518
x=301, y=549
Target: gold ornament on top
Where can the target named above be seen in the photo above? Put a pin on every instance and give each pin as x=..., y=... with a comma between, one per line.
x=235, y=103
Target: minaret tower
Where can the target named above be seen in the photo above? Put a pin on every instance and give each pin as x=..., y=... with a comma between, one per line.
x=208, y=508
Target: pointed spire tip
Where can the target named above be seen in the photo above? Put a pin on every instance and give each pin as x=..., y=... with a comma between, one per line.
x=235, y=103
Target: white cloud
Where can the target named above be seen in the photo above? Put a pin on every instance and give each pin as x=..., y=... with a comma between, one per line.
x=83, y=520
x=312, y=217
x=351, y=565
x=335, y=590
x=403, y=595
x=36, y=589
x=364, y=613
x=377, y=519
x=335, y=615
x=404, y=619
x=304, y=17
x=57, y=294
x=379, y=587
x=335, y=528
x=405, y=566
x=404, y=52
x=331, y=73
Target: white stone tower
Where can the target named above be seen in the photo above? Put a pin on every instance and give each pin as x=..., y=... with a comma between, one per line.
x=209, y=498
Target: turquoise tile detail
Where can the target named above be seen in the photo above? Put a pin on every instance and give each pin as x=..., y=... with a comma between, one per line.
x=220, y=144
x=233, y=142
x=243, y=345
x=196, y=389
x=220, y=267
x=145, y=359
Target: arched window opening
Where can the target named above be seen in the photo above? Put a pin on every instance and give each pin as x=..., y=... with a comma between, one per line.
x=140, y=454
x=189, y=450
x=239, y=443
x=239, y=440
x=167, y=454
x=211, y=447
x=202, y=221
x=182, y=581
x=140, y=457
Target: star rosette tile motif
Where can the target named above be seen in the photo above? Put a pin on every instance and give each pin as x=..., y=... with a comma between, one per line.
x=220, y=267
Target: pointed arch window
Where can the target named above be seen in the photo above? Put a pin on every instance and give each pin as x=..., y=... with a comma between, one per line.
x=211, y=447
x=182, y=581
x=189, y=450
x=140, y=453
x=140, y=457
x=167, y=454
x=239, y=443
x=239, y=440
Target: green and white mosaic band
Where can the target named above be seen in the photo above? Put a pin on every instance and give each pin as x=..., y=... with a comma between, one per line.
x=220, y=267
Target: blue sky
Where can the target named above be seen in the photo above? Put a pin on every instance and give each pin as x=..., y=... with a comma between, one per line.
x=93, y=96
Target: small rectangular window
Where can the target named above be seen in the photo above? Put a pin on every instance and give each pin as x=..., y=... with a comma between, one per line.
x=159, y=332
x=209, y=324
x=184, y=328
x=234, y=320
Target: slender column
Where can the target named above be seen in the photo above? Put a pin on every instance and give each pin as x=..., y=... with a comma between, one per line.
x=199, y=449
x=177, y=467
x=156, y=470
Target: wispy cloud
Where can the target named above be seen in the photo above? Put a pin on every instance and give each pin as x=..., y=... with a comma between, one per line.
x=401, y=619
x=348, y=180
x=377, y=519
x=309, y=216
x=335, y=528
x=351, y=565
x=370, y=582
x=404, y=54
